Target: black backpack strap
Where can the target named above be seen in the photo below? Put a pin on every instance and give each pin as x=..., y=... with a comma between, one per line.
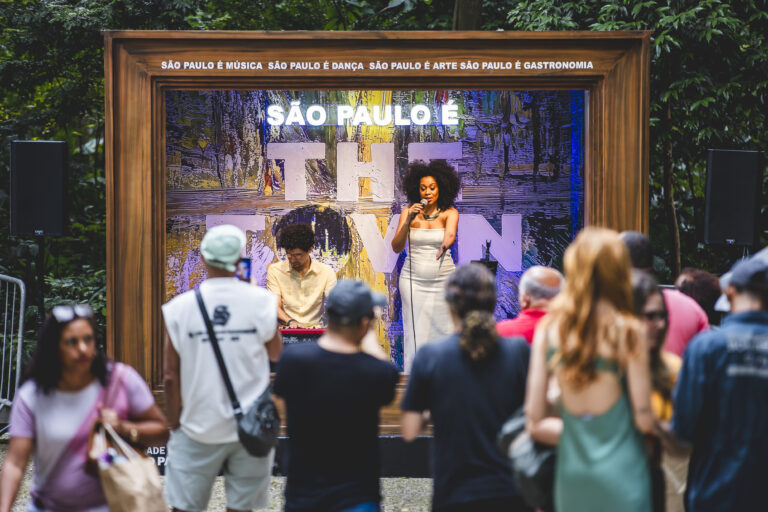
x=219, y=359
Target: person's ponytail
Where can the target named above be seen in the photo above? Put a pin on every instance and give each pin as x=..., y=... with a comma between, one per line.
x=471, y=294
x=478, y=337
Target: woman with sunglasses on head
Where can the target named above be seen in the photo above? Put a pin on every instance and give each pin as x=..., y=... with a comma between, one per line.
x=68, y=386
x=652, y=310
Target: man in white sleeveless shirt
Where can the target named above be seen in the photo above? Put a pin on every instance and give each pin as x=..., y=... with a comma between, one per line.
x=204, y=437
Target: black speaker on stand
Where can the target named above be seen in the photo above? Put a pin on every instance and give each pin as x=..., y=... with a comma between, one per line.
x=733, y=200
x=37, y=187
x=37, y=198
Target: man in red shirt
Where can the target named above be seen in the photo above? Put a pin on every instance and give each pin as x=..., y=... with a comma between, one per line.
x=538, y=286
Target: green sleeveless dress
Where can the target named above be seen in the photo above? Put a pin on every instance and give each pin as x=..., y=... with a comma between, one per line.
x=601, y=460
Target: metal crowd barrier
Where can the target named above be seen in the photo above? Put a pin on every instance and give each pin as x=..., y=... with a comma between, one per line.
x=12, y=299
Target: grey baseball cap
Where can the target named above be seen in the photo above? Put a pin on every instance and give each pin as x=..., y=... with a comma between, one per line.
x=351, y=300
x=751, y=273
x=222, y=245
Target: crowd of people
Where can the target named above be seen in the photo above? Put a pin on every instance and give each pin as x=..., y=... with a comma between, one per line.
x=610, y=368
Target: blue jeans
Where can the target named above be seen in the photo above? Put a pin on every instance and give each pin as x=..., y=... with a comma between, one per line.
x=371, y=506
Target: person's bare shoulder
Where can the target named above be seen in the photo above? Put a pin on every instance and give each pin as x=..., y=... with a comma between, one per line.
x=451, y=212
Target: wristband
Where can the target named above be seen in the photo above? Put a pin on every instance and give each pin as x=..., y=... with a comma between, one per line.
x=129, y=431
x=133, y=434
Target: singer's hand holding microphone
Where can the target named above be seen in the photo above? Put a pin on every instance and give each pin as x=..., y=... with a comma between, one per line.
x=418, y=208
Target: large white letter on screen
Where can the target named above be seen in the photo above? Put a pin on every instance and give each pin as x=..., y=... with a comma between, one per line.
x=507, y=248
x=349, y=170
x=247, y=223
x=379, y=250
x=295, y=154
x=427, y=151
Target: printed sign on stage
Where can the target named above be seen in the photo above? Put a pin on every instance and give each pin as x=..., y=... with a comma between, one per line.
x=263, y=159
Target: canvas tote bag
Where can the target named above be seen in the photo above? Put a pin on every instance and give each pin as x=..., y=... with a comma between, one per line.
x=129, y=478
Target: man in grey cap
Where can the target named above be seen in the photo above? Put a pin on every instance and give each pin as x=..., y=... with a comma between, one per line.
x=721, y=400
x=722, y=305
x=204, y=437
x=333, y=391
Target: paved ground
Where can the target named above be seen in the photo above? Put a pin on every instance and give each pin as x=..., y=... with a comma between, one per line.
x=400, y=494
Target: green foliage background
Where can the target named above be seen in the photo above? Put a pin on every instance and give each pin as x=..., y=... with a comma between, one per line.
x=709, y=90
x=709, y=86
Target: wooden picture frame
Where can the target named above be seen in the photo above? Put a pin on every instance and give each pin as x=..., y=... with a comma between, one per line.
x=613, y=67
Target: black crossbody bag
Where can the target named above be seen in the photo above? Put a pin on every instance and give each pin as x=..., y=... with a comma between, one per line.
x=259, y=426
x=533, y=463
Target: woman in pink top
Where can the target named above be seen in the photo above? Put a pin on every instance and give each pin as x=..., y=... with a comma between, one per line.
x=68, y=386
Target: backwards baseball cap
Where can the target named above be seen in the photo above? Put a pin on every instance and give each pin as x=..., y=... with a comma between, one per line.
x=750, y=273
x=222, y=245
x=351, y=300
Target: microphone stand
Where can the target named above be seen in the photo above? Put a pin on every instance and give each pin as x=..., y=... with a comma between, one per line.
x=410, y=283
x=423, y=202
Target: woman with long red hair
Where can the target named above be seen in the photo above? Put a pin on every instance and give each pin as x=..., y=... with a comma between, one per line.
x=595, y=348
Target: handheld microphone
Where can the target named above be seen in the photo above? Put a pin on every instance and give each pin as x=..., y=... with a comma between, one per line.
x=423, y=203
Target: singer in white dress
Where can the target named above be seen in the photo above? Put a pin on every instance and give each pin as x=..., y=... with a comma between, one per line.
x=427, y=227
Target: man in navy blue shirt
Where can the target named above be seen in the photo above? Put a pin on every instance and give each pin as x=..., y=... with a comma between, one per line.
x=721, y=401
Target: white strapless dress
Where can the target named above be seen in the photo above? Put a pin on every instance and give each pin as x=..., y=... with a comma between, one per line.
x=426, y=316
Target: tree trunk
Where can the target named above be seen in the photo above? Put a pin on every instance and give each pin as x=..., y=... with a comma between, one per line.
x=466, y=14
x=694, y=201
x=98, y=152
x=669, y=197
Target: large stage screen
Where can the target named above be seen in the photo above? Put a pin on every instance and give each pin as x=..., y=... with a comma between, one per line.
x=262, y=159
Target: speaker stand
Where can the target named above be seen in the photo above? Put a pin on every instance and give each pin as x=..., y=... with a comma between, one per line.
x=40, y=280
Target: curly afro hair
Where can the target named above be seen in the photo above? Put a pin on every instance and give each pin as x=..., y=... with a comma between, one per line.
x=445, y=176
x=296, y=236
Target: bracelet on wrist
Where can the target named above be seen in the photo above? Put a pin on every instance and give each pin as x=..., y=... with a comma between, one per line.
x=129, y=431
x=134, y=434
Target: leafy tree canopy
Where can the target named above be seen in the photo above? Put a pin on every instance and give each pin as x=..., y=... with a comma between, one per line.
x=709, y=85
x=709, y=90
